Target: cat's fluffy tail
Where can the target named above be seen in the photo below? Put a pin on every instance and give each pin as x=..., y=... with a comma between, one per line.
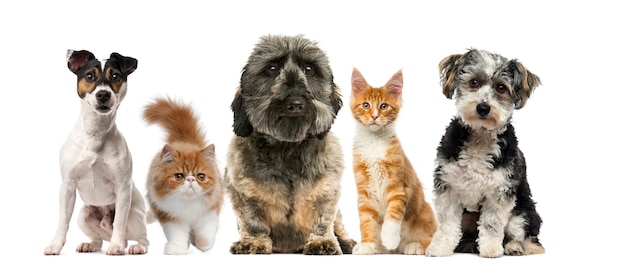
x=178, y=119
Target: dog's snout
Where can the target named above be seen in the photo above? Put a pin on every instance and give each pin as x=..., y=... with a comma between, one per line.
x=295, y=104
x=103, y=96
x=483, y=109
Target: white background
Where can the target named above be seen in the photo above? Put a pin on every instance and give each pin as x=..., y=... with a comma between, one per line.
x=570, y=130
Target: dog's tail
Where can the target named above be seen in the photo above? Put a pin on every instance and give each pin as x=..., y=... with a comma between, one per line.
x=178, y=119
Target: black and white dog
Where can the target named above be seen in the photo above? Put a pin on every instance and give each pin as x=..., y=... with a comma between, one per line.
x=482, y=198
x=96, y=162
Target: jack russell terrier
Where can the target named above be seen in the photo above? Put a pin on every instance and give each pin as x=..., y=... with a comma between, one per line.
x=96, y=162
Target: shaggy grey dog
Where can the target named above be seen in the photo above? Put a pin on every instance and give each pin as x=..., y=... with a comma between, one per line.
x=284, y=167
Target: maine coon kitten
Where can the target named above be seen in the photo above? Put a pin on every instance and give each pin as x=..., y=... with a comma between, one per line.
x=184, y=186
x=394, y=216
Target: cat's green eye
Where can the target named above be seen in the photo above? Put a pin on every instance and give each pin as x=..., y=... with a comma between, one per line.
x=179, y=176
x=200, y=176
x=383, y=106
x=366, y=105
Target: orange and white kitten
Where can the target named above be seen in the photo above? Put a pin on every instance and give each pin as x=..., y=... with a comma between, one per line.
x=184, y=187
x=394, y=216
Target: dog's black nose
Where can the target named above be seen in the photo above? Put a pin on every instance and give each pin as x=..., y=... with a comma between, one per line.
x=295, y=104
x=483, y=109
x=103, y=96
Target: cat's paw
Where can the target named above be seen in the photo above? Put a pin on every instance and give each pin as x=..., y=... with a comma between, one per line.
x=390, y=234
x=364, y=249
x=322, y=247
x=174, y=249
x=436, y=250
x=252, y=246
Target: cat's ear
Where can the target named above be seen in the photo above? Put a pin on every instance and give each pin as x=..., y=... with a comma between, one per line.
x=167, y=154
x=358, y=82
x=395, y=84
x=448, y=68
x=209, y=152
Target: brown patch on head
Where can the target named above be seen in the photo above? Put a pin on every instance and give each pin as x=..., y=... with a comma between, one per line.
x=88, y=82
x=448, y=68
x=114, y=78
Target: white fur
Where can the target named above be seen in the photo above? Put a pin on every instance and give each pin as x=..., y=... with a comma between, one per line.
x=472, y=181
x=390, y=234
x=96, y=162
x=372, y=144
x=189, y=206
x=364, y=249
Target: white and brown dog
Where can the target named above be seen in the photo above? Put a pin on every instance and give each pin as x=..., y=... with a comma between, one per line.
x=96, y=162
x=482, y=198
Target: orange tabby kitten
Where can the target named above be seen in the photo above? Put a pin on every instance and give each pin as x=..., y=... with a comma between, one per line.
x=395, y=218
x=185, y=189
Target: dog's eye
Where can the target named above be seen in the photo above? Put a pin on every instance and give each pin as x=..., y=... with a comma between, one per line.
x=501, y=89
x=179, y=176
x=90, y=77
x=309, y=70
x=115, y=77
x=272, y=70
x=366, y=105
x=383, y=106
x=200, y=176
x=473, y=83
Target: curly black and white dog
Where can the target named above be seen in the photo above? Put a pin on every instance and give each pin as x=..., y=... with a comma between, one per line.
x=482, y=198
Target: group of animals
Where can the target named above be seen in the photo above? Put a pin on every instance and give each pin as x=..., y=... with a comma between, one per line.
x=284, y=165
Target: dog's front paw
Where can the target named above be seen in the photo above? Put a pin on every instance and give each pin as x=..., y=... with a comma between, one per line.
x=252, y=246
x=137, y=250
x=490, y=250
x=89, y=247
x=390, y=234
x=367, y=248
x=322, y=247
x=115, y=250
x=53, y=249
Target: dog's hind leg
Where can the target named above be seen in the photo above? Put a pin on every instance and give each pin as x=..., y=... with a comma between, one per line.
x=91, y=222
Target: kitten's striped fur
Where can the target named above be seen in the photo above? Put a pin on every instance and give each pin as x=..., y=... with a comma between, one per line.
x=394, y=216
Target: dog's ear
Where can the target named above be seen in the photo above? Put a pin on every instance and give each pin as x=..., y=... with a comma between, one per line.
x=448, y=68
x=524, y=83
x=241, y=124
x=335, y=100
x=127, y=64
x=77, y=59
x=336, y=103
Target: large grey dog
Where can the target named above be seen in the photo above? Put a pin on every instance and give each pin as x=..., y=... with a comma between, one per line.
x=284, y=166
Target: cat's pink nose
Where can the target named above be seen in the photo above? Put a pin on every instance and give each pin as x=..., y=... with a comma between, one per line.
x=191, y=179
x=374, y=117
